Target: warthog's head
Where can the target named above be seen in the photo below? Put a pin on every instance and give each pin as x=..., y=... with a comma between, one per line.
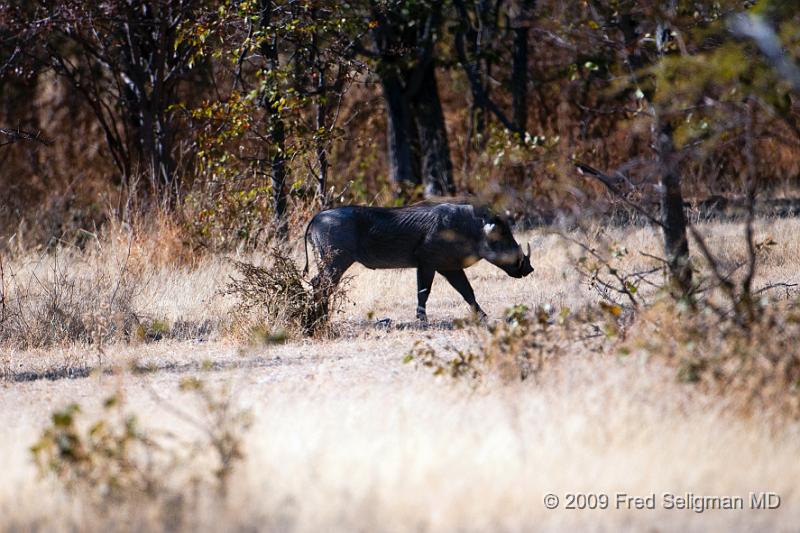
x=503, y=250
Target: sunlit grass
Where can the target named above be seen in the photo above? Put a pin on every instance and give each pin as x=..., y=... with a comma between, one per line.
x=346, y=437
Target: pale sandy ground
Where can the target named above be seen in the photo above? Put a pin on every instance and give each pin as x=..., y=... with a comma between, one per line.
x=347, y=438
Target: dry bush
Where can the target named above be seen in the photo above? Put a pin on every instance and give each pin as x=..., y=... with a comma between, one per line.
x=122, y=286
x=62, y=306
x=277, y=301
x=724, y=337
x=619, y=276
x=223, y=423
x=516, y=348
x=757, y=368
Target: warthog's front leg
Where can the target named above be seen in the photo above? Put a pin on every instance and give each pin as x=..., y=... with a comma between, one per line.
x=459, y=281
x=424, y=281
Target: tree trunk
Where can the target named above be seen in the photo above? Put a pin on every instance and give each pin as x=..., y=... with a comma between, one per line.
x=519, y=68
x=436, y=165
x=480, y=40
x=673, y=217
x=278, y=177
x=277, y=131
x=156, y=151
x=417, y=138
x=163, y=154
x=148, y=95
x=401, y=135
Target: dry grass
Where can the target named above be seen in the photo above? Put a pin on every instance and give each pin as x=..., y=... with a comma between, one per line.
x=346, y=437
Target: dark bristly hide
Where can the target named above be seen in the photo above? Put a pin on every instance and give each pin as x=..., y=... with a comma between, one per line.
x=444, y=238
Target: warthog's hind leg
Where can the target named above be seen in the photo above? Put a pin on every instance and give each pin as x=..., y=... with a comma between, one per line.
x=332, y=268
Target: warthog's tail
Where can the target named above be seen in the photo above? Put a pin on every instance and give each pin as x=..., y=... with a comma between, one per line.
x=305, y=245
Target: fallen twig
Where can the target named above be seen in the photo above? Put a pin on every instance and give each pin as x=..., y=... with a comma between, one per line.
x=16, y=135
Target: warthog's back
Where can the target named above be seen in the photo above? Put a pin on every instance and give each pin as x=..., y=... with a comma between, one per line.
x=394, y=237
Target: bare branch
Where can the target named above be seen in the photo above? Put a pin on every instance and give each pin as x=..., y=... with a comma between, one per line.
x=611, y=185
x=751, y=201
x=778, y=285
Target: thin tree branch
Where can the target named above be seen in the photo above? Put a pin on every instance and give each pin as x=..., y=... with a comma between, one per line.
x=609, y=182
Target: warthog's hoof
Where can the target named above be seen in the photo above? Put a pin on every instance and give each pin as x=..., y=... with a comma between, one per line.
x=479, y=315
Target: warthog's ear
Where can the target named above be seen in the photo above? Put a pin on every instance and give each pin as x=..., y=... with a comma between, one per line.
x=488, y=229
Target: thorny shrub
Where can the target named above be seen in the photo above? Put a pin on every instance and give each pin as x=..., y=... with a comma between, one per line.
x=515, y=348
x=747, y=357
x=277, y=301
x=115, y=464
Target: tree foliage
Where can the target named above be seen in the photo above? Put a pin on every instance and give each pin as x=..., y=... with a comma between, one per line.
x=242, y=115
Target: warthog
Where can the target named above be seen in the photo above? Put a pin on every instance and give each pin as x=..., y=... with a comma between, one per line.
x=444, y=238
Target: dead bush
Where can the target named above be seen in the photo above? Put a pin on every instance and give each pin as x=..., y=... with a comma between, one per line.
x=277, y=300
x=222, y=422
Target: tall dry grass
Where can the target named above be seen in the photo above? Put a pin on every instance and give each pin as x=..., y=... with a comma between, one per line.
x=115, y=289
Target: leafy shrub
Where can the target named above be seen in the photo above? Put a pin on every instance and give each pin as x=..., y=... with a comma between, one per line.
x=513, y=349
x=113, y=456
x=113, y=463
